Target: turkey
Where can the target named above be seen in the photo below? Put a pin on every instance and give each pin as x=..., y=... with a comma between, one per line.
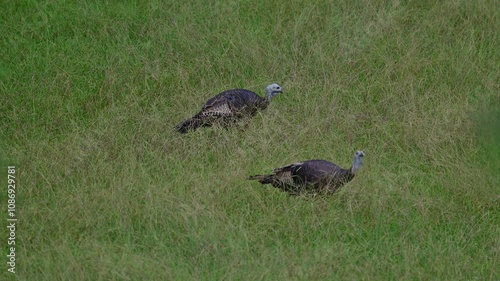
x=312, y=176
x=228, y=107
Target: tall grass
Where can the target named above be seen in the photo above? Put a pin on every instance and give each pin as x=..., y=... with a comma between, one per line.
x=107, y=190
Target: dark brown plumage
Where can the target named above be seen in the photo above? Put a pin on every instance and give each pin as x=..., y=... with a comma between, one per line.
x=229, y=107
x=312, y=176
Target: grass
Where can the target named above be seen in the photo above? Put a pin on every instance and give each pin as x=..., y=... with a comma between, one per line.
x=107, y=190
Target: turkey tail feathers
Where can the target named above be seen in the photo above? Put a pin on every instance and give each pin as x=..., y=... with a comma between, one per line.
x=189, y=124
x=263, y=179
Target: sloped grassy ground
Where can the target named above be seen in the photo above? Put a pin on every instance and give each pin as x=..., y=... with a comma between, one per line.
x=107, y=190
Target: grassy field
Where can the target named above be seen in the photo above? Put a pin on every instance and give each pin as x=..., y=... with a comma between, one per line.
x=107, y=190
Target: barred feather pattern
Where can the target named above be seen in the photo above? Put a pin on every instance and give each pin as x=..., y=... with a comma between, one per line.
x=312, y=176
x=225, y=108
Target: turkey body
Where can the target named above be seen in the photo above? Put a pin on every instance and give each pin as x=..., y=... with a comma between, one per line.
x=225, y=108
x=311, y=176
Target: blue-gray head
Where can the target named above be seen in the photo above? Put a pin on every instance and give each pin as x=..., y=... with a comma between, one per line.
x=358, y=161
x=272, y=90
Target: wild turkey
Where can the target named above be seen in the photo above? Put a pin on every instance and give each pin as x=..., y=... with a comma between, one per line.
x=312, y=176
x=228, y=107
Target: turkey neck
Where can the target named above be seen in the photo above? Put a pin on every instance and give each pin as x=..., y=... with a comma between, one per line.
x=358, y=161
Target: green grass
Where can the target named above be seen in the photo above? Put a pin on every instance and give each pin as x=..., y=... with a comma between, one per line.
x=107, y=190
